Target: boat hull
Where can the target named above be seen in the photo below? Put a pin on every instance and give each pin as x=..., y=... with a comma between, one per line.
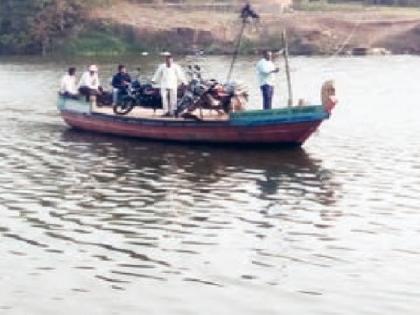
x=288, y=126
x=289, y=133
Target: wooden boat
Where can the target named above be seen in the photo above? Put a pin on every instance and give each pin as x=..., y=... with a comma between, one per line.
x=288, y=126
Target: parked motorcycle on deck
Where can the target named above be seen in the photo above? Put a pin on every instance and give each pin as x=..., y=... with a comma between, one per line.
x=138, y=95
x=210, y=94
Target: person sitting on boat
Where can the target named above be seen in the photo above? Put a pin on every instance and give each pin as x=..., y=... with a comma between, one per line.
x=68, y=86
x=120, y=82
x=89, y=85
x=169, y=75
x=265, y=73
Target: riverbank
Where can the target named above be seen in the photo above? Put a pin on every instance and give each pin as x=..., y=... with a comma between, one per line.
x=128, y=27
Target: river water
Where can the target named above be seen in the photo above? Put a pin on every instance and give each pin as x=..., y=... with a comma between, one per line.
x=93, y=224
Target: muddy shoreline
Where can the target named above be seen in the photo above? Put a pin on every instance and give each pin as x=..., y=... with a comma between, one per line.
x=310, y=33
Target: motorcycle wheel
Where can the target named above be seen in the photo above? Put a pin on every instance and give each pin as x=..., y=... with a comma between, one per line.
x=124, y=108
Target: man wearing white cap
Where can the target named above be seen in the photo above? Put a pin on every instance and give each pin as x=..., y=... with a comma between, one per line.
x=89, y=84
x=169, y=75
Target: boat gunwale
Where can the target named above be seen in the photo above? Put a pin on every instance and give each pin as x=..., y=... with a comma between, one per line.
x=254, y=117
x=146, y=121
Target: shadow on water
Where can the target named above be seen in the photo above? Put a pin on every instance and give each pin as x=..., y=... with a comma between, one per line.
x=203, y=165
x=146, y=193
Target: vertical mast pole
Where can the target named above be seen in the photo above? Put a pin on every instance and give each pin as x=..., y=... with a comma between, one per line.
x=236, y=52
x=248, y=15
x=286, y=61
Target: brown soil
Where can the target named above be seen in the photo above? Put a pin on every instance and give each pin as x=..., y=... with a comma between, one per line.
x=309, y=32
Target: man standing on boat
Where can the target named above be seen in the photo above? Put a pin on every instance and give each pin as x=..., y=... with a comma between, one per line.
x=169, y=75
x=265, y=72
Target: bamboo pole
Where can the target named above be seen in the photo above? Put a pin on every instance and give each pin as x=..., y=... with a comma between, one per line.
x=236, y=52
x=286, y=62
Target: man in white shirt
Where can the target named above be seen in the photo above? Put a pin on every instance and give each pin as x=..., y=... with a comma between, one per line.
x=265, y=73
x=68, y=84
x=89, y=84
x=169, y=75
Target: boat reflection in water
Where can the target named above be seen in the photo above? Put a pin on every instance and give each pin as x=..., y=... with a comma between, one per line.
x=164, y=206
x=278, y=175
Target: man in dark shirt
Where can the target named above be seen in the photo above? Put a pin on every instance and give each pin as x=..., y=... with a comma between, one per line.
x=120, y=82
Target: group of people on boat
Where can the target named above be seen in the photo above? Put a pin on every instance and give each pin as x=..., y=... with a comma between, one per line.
x=88, y=85
x=168, y=76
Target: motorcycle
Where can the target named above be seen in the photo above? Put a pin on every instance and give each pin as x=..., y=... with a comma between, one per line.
x=194, y=95
x=140, y=95
x=228, y=97
x=210, y=94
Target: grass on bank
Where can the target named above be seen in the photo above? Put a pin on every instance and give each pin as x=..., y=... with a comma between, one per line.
x=92, y=43
x=353, y=6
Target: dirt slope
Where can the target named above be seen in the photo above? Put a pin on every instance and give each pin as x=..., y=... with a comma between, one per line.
x=309, y=32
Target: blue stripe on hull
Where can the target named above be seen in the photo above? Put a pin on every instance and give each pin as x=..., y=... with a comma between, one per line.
x=279, y=116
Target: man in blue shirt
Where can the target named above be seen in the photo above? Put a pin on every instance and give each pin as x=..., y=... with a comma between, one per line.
x=265, y=74
x=120, y=83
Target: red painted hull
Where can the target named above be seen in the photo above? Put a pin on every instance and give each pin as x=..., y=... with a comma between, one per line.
x=295, y=133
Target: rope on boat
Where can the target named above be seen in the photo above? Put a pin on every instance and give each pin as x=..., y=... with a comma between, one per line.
x=340, y=48
x=336, y=53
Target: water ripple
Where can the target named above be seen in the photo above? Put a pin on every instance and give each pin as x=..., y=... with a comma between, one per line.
x=333, y=226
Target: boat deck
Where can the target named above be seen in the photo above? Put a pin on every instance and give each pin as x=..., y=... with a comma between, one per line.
x=283, y=126
x=148, y=113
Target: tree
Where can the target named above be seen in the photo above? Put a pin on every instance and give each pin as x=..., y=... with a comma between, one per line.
x=31, y=26
x=14, y=24
x=55, y=20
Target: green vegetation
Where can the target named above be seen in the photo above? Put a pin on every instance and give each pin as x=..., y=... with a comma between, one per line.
x=354, y=5
x=324, y=5
x=90, y=42
x=35, y=26
x=107, y=39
